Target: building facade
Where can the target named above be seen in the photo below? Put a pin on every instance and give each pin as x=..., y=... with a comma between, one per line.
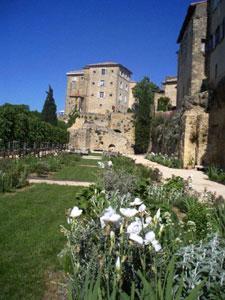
x=191, y=54
x=216, y=82
x=99, y=88
x=169, y=90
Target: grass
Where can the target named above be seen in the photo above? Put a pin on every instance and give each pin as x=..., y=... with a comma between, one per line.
x=216, y=174
x=30, y=238
x=83, y=170
x=78, y=173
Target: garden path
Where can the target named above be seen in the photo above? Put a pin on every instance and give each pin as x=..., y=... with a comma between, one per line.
x=62, y=182
x=200, y=181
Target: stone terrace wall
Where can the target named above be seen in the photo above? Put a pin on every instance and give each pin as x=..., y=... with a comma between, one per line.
x=103, y=133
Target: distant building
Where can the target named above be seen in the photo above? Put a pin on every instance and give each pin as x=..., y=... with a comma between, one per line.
x=169, y=90
x=191, y=54
x=99, y=88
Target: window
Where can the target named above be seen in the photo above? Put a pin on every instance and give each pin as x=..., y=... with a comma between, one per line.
x=94, y=71
x=217, y=36
x=126, y=87
x=92, y=95
x=121, y=84
x=112, y=71
x=110, y=95
x=82, y=78
x=73, y=85
x=120, y=97
x=101, y=94
x=103, y=71
x=125, y=99
x=203, y=45
x=102, y=83
x=93, y=83
x=111, y=83
x=216, y=71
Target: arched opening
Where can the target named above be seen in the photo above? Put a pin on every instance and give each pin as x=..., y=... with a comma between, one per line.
x=117, y=130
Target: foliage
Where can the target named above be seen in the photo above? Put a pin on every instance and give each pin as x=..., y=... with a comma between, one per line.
x=204, y=262
x=49, y=109
x=144, y=94
x=165, y=160
x=166, y=133
x=72, y=117
x=164, y=104
x=19, y=124
x=216, y=174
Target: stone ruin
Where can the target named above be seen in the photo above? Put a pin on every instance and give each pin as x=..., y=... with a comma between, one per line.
x=97, y=132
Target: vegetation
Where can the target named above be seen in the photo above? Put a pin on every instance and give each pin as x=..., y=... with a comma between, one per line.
x=140, y=245
x=216, y=174
x=144, y=96
x=18, y=123
x=164, y=104
x=165, y=160
x=49, y=114
x=14, y=172
x=31, y=238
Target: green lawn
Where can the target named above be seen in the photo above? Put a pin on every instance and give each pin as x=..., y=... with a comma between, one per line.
x=30, y=238
x=82, y=170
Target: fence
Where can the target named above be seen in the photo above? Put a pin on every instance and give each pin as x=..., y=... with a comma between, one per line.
x=16, y=149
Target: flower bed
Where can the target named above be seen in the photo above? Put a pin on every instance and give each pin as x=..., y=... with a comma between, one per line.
x=133, y=245
x=165, y=160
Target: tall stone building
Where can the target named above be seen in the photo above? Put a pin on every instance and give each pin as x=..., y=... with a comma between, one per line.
x=216, y=82
x=99, y=88
x=169, y=90
x=191, y=54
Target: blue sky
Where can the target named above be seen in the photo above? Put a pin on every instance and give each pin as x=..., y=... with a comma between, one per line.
x=40, y=40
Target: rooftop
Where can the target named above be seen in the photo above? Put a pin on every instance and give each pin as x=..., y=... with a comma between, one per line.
x=76, y=72
x=107, y=64
x=187, y=19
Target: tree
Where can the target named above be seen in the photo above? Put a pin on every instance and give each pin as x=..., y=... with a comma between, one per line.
x=49, y=109
x=144, y=96
x=164, y=104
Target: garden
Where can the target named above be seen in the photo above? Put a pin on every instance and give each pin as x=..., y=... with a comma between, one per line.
x=128, y=236
x=136, y=238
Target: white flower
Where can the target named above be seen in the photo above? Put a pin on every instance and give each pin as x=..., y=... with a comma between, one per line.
x=101, y=165
x=69, y=221
x=75, y=212
x=136, y=238
x=142, y=208
x=118, y=264
x=136, y=202
x=148, y=220
x=128, y=212
x=135, y=227
x=109, y=216
x=149, y=237
x=156, y=245
x=110, y=164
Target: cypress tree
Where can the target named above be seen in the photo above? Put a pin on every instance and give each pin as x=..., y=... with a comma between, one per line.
x=49, y=109
x=144, y=94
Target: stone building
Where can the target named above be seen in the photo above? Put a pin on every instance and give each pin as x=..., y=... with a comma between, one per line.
x=216, y=81
x=191, y=54
x=99, y=88
x=169, y=90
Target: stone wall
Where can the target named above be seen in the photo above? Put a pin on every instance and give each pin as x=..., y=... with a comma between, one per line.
x=113, y=132
x=194, y=138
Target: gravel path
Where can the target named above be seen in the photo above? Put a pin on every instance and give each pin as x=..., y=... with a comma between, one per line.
x=61, y=182
x=200, y=181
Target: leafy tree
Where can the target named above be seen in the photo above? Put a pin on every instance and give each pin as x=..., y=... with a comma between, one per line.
x=164, y=104
x=49, y=109
x=144, y=96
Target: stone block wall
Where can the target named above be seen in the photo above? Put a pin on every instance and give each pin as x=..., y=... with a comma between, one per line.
x=113, y=132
